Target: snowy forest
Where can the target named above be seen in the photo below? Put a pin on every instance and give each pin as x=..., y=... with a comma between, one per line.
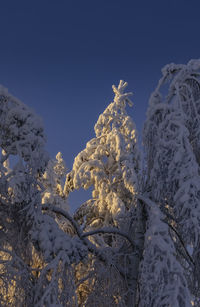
x=136, y=242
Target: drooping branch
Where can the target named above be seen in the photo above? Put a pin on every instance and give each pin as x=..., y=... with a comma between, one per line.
x=66, y=215
x=83, y=236
x=150, y=203
x=91, y=247
x=111, y=231
x=181, y=241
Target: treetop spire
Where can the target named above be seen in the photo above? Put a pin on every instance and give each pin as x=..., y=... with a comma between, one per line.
x=120, y=96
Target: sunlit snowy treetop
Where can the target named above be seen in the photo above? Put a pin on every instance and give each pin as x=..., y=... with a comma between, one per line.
x=110, y=162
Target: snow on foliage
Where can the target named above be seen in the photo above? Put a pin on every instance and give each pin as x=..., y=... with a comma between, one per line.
x=136, y=242
x=162, y=281
x=53, y=182
x=21, y=131
x=109, y=163
x=51, y=240
x=172, y=146
x=21, y=135
x=174, y=173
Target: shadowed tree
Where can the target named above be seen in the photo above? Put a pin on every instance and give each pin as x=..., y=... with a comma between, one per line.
x=171, y=138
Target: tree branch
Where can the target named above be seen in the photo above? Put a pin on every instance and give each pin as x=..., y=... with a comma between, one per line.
x=109, y=230
x=66, y=215
x=150, y=203
x=181, y=241
x=91, y=247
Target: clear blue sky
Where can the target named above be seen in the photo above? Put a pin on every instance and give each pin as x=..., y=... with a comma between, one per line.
x=61, y=57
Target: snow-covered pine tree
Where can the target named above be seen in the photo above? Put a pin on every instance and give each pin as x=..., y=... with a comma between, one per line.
x=110, y=163
x=53, y=183
x=53, y=194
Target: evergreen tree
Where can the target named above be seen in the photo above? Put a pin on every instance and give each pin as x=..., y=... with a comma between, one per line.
x=111, y=164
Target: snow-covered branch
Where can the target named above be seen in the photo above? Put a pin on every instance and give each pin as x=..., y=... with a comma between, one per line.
x=107, y=230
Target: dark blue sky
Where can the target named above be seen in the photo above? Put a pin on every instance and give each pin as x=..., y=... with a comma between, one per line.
x=62, y=57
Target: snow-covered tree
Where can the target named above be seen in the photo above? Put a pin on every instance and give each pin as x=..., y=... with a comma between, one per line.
x=110, y=163
x=53, y=182
x=21, y=135
x=136, y=241
x=162, y=280
x=171, y=138
x=36, y=255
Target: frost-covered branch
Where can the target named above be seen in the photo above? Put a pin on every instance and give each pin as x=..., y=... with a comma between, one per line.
x=110, y=231
x=66, y=215
x=181, y=241
x=91, y=247
x=160, y=263
x=150, y=203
